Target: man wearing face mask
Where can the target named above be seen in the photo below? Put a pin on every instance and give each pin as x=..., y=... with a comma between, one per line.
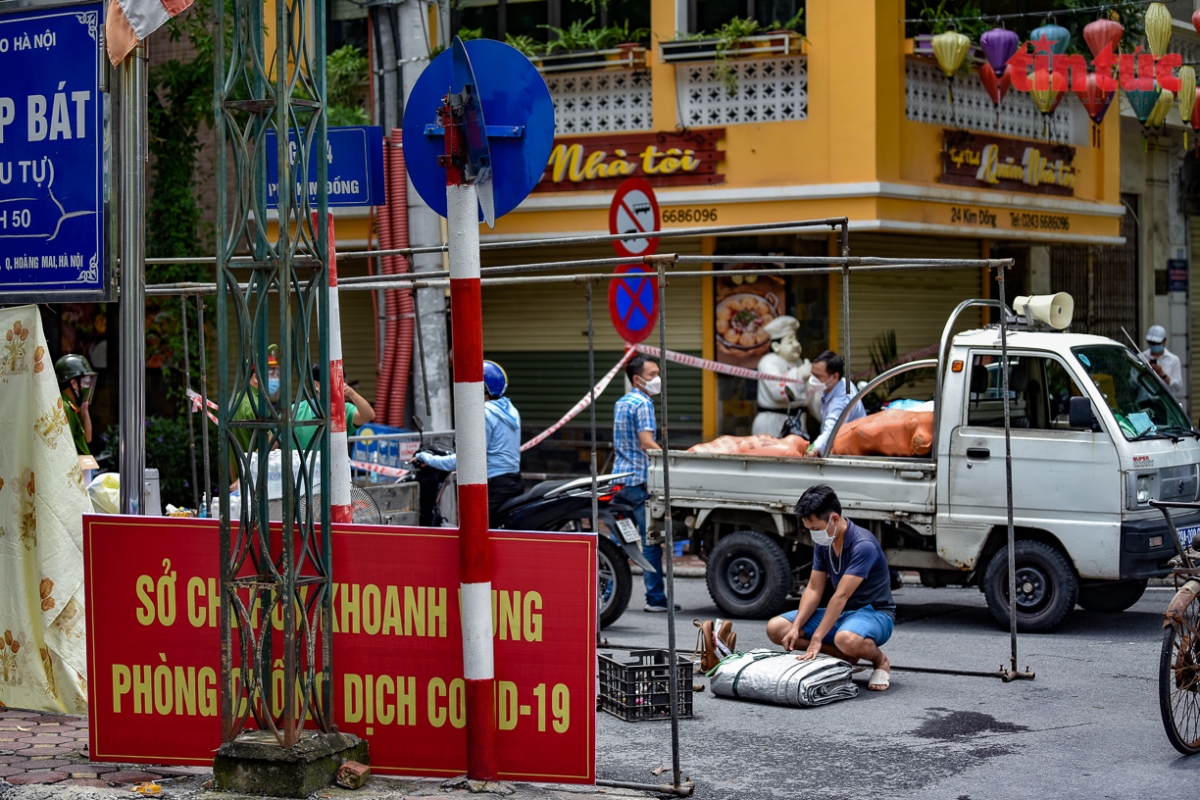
x=633, y=436
x=826, y=381
x=861, y=615
x=1164, y=363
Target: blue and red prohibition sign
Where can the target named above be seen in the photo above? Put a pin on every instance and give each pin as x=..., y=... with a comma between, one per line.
x=633, y=302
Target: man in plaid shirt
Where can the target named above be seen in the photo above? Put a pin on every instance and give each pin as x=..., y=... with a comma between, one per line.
x=633, y=435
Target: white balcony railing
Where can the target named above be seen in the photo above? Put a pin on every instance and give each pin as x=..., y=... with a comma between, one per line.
x=767, y=90
x=600, y=101
x=927, y=100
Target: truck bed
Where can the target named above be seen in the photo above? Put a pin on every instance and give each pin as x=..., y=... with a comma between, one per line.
x=895, y=489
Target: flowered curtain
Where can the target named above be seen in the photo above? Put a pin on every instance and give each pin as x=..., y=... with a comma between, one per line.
x=43, y=657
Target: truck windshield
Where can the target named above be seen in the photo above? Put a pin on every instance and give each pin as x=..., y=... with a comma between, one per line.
x=1138, y=400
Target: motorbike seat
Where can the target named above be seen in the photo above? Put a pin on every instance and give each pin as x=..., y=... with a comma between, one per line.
x=538, y=491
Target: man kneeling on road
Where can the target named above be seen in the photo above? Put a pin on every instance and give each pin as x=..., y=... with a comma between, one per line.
x=860, y=615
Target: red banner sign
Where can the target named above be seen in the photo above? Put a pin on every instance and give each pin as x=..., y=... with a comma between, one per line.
x=153, y=597
x=662, y=158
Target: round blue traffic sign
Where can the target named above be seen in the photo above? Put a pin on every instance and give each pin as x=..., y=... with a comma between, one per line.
x=519, y=117
x=633, y=302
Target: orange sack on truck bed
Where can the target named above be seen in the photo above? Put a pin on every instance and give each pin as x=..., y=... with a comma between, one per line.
x=757, y=445
x=888, y=433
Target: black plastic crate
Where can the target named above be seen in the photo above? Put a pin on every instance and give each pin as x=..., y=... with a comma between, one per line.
x=635, y=686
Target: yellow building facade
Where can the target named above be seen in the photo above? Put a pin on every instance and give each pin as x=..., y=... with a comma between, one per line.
x=851, y=120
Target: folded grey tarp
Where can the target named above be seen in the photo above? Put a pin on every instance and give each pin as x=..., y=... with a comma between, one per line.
x=770, y=676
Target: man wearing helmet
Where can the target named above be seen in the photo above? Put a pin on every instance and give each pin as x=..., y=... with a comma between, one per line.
x=503, y=426
x=77, y=380
x=1163, y=361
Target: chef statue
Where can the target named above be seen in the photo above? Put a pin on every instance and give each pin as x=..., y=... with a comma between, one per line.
x=784, y=360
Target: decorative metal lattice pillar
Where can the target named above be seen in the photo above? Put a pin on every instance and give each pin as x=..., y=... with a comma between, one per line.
x=276, y=606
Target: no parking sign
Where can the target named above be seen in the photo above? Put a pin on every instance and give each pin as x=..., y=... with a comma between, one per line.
x=633, y=302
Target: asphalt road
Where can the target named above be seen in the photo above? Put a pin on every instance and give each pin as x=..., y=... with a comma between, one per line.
x=1087, y=727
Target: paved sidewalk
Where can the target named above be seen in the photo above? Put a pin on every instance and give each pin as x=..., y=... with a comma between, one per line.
x=44, y=757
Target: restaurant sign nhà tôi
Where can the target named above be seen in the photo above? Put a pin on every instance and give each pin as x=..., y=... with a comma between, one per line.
x=1014, y=165
x=662, y=158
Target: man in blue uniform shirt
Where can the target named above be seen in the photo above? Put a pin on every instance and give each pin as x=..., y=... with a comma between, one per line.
x=860, y=615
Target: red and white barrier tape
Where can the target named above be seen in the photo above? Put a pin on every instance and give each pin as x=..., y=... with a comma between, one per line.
x=582, y=404
x=714, y=366
x=380, y=469
x=198, y=402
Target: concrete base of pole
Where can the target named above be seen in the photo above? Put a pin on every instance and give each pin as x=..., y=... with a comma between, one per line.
x=477, y=787
x=256, y=764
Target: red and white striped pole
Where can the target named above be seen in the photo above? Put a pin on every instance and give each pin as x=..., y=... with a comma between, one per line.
x=475, y=549
x=340, y=509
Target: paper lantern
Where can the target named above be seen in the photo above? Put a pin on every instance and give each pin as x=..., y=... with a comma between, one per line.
x=1187, y=92
x=1196, y=112
x=998, y=45
x=1158, y=115
x=1196, y=20
x=1058, y=36
x=950, y=48
x=1142, y=101
x=1046, y=100
x=996, y=87
x=1102, y=33
x=1095, y=100
x=1158, y=28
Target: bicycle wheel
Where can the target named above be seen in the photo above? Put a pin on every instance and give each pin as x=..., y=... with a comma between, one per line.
x=1179, y=680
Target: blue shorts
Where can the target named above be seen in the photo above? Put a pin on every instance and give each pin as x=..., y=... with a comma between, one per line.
x=866, y=622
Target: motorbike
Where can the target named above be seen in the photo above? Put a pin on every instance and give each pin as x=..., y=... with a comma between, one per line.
x=558, y=505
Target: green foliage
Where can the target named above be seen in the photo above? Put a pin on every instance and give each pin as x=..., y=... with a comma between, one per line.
x=345, y=86
x=940, y=18
x=525, y=44
x=884, y=355
x=179, y=107
x=580, y=36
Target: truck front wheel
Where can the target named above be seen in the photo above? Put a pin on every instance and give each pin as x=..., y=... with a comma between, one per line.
x=748, y=575
x=1046, y=587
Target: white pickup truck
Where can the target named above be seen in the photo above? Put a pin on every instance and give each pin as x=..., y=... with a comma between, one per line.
x=1095, y=437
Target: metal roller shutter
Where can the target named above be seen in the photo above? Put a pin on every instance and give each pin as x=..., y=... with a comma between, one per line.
x=916, y=304
x=1194, y=300
x=538, y=333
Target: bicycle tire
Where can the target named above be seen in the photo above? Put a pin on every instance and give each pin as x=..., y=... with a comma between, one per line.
x=1179, y=680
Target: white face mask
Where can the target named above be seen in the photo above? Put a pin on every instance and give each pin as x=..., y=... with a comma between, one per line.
x=815, y=387
x=823, y=538
x=653, y=386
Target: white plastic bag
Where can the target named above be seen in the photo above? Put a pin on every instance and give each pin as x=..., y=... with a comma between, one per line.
x=105, y=493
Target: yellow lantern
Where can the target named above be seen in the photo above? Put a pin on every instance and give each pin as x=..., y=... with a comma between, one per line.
x=1159, y=115
x=950, y=48
x=1046, y=100
x=1158, y=28
x=1187, y=93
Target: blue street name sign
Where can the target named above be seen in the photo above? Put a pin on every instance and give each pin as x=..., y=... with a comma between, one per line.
x=52, y=189
x=354, y=157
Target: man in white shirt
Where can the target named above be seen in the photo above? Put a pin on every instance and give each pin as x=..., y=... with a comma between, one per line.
x=1165, y=363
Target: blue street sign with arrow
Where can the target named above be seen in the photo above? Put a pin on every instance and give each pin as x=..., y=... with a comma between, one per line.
x=514, y=142
x=52, y=193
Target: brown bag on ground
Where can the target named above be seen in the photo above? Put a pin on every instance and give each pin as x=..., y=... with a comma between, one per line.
x=889, y=433
x=714, y=642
